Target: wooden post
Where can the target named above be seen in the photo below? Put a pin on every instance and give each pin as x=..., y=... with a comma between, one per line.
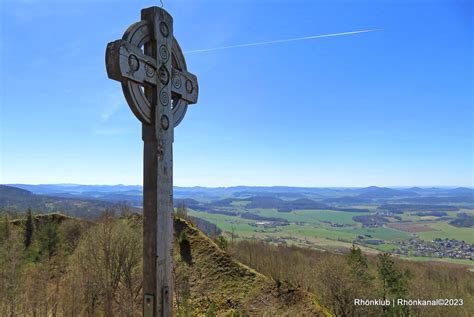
x=158, y=89
x=158, y=175
x=150, y=207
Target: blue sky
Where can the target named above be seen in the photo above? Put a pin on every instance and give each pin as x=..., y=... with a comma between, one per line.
x=387, y=108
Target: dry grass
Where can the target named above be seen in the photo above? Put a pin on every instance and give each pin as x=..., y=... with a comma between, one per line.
x=213, y=277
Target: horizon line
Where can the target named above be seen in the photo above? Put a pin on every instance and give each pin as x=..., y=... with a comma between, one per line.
x=230, y=186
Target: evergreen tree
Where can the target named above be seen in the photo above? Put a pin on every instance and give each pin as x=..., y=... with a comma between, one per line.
x=50, y=239
x=394, y=284
x=5, y=228
x=221, y=241
x=358, y=266
x=29, y=229
x=357, y=261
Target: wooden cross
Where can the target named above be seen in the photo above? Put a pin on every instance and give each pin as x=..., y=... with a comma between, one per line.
x=151, y=67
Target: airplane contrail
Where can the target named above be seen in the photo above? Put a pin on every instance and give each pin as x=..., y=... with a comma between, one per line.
x=279, y=41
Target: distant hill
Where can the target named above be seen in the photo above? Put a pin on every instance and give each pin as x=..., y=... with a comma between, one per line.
x=347, y=200
x=220, y=196
x=9, y=194
x=19, y=200
x=383, y=192
x=462, y=191
x=75, y=188
x=401, y=208
x=286, y=195
x=272, y=202
x=436, y=200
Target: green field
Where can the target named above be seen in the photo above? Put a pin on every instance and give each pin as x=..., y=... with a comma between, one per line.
x=315, y=225
x=311, y=216
x=445, y=230
x=428, y=259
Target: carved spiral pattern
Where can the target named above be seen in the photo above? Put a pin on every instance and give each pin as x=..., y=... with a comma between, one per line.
x=150, y=72
x=164, y=98
x=177, y=82
x=164, y=54
x=163, y=75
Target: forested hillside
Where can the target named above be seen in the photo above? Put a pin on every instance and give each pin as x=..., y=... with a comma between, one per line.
x=52, y=265
x=62, y=266
x=19, y=200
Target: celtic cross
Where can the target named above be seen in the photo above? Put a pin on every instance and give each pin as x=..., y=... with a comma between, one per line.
x=150, y=65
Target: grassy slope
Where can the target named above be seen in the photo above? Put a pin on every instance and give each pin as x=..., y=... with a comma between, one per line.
x=215, y=277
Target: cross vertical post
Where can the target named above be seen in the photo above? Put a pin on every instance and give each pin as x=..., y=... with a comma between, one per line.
x=158, y=167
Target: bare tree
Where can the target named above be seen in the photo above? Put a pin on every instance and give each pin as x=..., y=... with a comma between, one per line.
x=109, y=259
x=11, y=269
x=182, y=210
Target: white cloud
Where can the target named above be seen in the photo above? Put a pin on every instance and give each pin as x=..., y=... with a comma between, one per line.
x=112, y=104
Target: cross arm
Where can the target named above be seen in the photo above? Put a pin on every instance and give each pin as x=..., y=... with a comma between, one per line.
x=127, y=62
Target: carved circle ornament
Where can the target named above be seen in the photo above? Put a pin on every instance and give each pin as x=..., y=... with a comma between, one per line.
x=164, y=30
x=177, y=82
x=165, y=122
x=133, y=62
x=138, y=34
x=150, y=72
x=189, y=86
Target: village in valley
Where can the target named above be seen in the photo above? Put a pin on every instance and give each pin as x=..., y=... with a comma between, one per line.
x=441, y=248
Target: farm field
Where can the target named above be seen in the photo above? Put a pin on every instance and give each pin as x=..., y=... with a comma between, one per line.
x=411, y=227
x=444, y=230
x=315, y=225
